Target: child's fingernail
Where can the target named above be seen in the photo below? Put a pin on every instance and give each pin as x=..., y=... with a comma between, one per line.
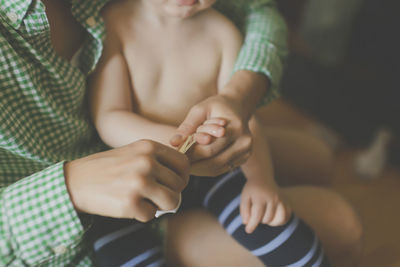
x=218, y=132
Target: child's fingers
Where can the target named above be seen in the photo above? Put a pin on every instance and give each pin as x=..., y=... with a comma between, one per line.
x=280, y=217
x=269, y=213
x=203, y=138
x=245, y=206
x=205, y=133
x=217, y=121
x=257, y=212
x=211, y=129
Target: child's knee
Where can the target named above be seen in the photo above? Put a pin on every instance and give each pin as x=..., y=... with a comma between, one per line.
x=353, y=232
x=350, y=237
x=350, y=244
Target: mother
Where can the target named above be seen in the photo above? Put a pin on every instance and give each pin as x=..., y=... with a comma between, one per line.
x=49, y=184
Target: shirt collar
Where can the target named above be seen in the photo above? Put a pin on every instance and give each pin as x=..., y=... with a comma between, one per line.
x=14, y=11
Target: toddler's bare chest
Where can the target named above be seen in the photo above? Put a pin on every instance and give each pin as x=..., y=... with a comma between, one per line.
x=167, y=80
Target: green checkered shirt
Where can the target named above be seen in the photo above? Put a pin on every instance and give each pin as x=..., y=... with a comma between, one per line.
x=44, y=120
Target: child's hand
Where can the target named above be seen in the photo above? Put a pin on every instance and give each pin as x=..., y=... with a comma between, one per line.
x=262, y=202
x=205, y=133
x=213, y=127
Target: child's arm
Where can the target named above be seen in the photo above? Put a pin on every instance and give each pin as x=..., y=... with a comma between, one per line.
x=261, y=201
x=111, y=101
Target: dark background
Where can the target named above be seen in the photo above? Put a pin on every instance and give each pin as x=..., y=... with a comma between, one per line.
x=359, y=94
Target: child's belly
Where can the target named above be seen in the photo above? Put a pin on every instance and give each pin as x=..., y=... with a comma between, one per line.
x=171, y=106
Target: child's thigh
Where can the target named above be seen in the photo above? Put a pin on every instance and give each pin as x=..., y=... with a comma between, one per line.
x=195, y=238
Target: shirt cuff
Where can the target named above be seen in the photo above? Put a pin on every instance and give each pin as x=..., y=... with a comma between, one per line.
x=40, y=219
x=264, y=48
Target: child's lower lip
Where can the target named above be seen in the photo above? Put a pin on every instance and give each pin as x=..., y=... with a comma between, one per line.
x=187, y=2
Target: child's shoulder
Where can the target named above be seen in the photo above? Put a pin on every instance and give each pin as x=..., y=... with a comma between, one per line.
x=220, y=26
x=217, y=21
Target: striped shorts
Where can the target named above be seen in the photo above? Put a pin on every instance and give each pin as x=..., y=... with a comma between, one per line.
x=126, y=243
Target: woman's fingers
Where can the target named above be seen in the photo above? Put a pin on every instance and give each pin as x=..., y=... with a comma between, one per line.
x=216, y=163
x=173, y=160
x=163, y=197
x=145, y=210
x=240, y=159
x=169, y=178
x=214, y=158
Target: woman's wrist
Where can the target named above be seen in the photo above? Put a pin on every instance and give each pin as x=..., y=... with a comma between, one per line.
x=247, y=88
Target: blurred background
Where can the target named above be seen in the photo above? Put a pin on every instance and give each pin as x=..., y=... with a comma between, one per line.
x=341, y=74
x=344, y=62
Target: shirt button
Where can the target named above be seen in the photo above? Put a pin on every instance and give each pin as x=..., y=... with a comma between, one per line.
x=12, y=16
x=91, y=21
x=61, y=249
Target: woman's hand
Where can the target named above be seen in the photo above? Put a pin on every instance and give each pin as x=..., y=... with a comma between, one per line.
x=225, y=152
x=133, y=181
x=235, y=103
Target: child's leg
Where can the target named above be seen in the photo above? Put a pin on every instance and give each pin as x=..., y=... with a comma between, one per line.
x=293, y=244
x=195, y=238
x=120, y=242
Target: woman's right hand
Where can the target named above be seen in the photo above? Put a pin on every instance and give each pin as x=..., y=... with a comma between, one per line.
x=133, y=181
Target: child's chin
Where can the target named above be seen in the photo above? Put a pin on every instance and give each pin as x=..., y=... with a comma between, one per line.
x=183, y=14
x=186, y=15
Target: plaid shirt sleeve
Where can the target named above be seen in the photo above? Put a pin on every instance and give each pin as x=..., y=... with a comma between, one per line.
x=41, y=126
x=265, y=40
x=38, y=224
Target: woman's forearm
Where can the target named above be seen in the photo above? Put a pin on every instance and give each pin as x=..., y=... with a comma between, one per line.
x=265, y=40
x=248, y=88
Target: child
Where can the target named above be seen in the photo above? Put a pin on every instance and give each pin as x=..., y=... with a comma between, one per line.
x=160, y=58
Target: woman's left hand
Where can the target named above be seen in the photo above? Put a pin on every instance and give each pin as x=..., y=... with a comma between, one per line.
x=235, y=103
x=223, y=153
